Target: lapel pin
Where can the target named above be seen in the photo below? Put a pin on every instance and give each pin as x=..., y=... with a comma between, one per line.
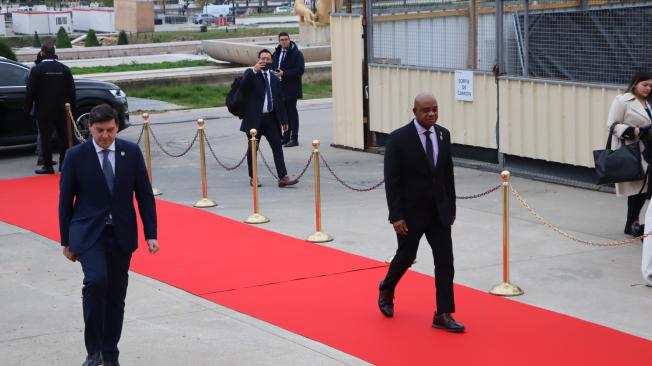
x=441, y=136
x=122, y=153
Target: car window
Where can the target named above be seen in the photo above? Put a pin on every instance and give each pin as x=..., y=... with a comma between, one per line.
x=12, y=75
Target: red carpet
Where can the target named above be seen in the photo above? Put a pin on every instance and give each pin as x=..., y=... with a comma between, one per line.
x=329, y=296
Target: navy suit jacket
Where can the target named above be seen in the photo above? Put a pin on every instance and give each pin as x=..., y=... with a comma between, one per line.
x=85, y=199
x=414, y=187
x=253, y=86
x=293, y=67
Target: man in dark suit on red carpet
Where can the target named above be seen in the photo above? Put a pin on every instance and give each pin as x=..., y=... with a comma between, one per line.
x=420, y=190
x=97, y=221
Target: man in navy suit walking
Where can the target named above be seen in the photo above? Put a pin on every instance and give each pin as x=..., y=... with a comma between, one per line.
x=265, y=112
x=97, y=221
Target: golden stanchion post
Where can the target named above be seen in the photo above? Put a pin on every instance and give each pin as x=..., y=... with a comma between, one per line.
x=148, y=157
x=69, y=124
x=318, y=236
x=256, y=217
x=506, y=288
x=204, y=202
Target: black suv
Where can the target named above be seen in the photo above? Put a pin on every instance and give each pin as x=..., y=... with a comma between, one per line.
x=17, y=127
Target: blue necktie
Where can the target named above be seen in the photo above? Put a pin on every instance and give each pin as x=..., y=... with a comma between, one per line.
x=268, y=93
x=107, y=169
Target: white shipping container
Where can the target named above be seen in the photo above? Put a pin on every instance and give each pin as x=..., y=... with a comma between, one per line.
x=98, y=19
x=43, y=22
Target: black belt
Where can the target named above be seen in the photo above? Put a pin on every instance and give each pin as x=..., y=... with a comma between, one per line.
x=267, y=114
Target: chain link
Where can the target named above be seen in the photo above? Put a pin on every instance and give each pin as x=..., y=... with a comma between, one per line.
x=228, y=168
x=342, y=182
x=194, y=139
x=75, y=128
x=140, y=136
x=271, y=171
x=609, y=244
x=490, y=190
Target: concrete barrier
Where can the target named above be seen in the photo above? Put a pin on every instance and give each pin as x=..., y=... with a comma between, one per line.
x=315, y=72
x=246, y=53
x=29, y=54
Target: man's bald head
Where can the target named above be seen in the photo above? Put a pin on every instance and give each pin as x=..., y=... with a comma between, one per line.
x=426, y=110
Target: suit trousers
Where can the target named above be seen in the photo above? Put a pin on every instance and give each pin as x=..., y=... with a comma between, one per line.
x=45, y=129
x=293, y=120
x=106, y=275
x=439, y=238
x=269, y=128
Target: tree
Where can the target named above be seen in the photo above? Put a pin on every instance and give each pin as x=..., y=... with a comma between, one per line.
x=5, y=51
x=91, y=39
x=122, y=38
x=63, y=41
x=36, y=42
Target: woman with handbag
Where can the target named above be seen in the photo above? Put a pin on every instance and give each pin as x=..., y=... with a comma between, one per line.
x=631, y=112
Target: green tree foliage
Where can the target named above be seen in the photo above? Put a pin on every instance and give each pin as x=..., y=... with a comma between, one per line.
x=36, y=42
x=91, y=39
x=5, y=51
x=122, y=38
x=63, y=41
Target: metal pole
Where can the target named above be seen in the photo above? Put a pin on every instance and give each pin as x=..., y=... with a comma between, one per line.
x=204, y=201
x=506, y=288
x=68, y=125
x=500, y=57
x=256, y=217
x=473, y=20
x=148, y=156
x=318, y=236
x=526, y=38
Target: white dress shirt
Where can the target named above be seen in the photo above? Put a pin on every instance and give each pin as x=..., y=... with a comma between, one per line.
x=100, y=155
x=269, y=79
x=433, y=138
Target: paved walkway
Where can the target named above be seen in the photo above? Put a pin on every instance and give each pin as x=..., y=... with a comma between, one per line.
x=40, y=309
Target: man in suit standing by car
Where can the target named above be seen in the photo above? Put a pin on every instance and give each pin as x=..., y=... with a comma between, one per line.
x=420, y=190
x=97, y=223
x=289, y=66
x=50, y=87
x=265, y=112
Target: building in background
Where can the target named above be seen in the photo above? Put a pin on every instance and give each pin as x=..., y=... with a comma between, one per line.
x=42, y=22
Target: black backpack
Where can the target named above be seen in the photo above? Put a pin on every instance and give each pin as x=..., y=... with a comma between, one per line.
x=235, y=100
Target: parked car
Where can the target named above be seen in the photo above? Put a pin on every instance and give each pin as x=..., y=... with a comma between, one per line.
x=282, y=9
x=204, y=19
x=18, y=128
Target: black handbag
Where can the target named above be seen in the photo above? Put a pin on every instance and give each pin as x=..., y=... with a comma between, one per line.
x=616, y=166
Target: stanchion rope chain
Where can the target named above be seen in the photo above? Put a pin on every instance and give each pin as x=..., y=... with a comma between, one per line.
x=140, y=135
x=271, y=171
x=194, y=139
x=342, y=182
x=490, y=190
x=75, y=129
x=228, y=168
x=559, y=231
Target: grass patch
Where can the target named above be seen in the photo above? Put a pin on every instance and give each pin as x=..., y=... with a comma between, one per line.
x=140, y=67
x=204, y=96
x=175, y=36
x=172, y=36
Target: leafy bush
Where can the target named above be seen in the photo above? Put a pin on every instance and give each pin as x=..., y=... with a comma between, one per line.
x=63, y=41
x=36, y=42
x=5, y=51
x=122, y=38
x=91, y=39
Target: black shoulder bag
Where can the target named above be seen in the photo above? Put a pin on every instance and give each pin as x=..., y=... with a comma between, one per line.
x=616, y=166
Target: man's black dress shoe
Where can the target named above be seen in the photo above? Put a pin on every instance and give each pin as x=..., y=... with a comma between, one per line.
x=111, y=363
x=386, y=301
x=41, y=162
x=446, y=322
x=286, y=182
x=45, y=170
x=291, y=143
x=93, y=360
x=635, y=229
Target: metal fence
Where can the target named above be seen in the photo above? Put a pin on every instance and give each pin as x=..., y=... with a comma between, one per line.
x=585, y=41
